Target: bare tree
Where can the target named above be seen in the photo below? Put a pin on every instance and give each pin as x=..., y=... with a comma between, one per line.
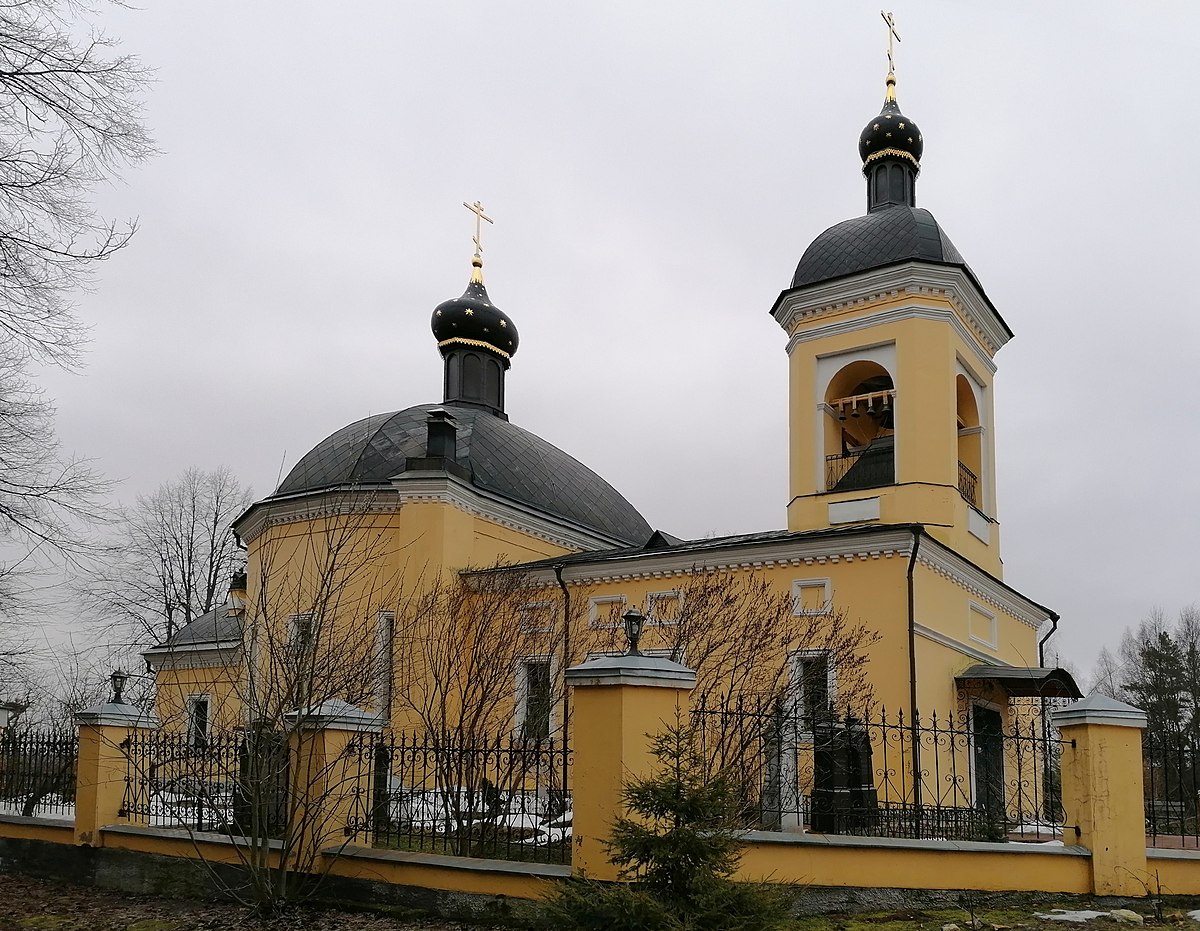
x=70, y=117
x=251, y=765
x=172, y=557
x=46, y=500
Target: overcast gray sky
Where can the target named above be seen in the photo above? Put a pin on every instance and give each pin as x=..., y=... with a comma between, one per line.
x=655, y=170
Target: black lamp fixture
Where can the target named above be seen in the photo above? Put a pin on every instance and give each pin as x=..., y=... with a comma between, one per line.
x=119, y=677
x=634, y=622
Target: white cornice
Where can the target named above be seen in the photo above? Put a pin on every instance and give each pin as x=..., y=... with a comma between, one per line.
x=193, y=656
x=948, y=564
x=425, y=486
x=441, y=486
x=795, y=551
x=983, y=327
x=348, y=500
x=937, y=637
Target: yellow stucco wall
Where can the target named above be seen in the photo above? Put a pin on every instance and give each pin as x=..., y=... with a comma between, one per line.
x=927, y=358
x=915, y=866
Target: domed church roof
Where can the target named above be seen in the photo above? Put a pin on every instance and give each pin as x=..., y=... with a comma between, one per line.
x=892, y=234
x=894, y=229
x=499, y=457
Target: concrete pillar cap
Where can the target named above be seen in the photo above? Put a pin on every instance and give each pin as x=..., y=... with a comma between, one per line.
x=638, y=669
x=112, y=714
x=336, y=715
x=1099, y=709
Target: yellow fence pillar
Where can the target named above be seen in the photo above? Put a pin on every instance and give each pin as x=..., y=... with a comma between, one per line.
x=1102, y=790
x=619, y=703
x=330, y=777
x=102, y=770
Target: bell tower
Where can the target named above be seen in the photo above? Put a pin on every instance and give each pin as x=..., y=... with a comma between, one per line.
x=891, y=346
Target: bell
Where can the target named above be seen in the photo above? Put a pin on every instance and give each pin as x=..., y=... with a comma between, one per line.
x=854, y=409
x=842, y=411
x=870, y=407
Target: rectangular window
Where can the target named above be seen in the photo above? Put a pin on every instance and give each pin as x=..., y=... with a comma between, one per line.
x=300, y=632
x=606, y=610
x=198, y=720
x=663, y=608
x=533, y=710
x=812, y=597
x=812, y=684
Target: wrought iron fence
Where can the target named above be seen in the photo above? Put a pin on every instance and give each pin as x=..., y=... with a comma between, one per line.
x=234, y=783
x=1171, y=785
x=501, y=797
x=37, y=773
x=978, y=775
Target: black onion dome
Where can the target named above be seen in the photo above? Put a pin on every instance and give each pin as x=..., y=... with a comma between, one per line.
x=891, y=133
x=474, y=321
x=500, y=457
x=883, y=237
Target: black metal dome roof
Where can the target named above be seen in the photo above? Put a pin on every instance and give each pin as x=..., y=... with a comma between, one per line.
x=474, y=321
x=883, y=237
x=500, y=457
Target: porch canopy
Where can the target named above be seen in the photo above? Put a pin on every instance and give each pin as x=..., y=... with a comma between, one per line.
x=1024, y=681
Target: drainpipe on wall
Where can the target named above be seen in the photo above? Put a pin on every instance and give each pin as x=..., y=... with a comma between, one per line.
x=1042, y=642
x=566, y=660
x=915, y=738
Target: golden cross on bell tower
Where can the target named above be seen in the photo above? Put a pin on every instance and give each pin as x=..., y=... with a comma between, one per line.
x=892, y=34
x=477, y=209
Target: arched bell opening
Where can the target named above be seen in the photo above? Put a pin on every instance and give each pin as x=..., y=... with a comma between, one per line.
x=860, y=442
x=970, y=443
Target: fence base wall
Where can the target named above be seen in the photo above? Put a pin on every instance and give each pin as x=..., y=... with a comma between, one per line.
x=908, y=864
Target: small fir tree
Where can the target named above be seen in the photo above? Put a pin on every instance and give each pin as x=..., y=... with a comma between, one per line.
x=678, y=848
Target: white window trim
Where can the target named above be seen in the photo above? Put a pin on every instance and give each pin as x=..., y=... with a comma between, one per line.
x=594, y=604
x=521, y=692
x=531, y=614
x=294, y=629
x=798, y=587
x=652, y=601
x=800, y=701
x=975, y=609
x=189, y=704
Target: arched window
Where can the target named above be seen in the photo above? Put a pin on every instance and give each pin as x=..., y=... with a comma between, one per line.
x=860, y=441
x=472, y=377
x=970, y=442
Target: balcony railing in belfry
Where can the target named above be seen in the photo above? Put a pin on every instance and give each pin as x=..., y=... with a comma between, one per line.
x=968, y=485
x=867, y=468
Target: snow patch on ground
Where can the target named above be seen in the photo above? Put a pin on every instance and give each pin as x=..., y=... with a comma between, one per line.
x=1066, y=914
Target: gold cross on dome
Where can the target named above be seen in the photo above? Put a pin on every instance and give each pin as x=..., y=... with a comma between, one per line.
x=892, y=34
x=477, y=209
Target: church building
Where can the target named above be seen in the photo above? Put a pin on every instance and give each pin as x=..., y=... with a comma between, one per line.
x=892, y=521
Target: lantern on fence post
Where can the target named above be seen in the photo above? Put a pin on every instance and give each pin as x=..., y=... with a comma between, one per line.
x=634, y=622
x=119, y=677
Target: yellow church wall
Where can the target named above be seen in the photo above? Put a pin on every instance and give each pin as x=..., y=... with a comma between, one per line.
x=176, y=683
x=348, y=567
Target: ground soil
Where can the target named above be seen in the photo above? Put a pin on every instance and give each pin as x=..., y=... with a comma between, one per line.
x=40, y=905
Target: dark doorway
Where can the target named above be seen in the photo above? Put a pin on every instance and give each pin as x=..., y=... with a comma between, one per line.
x=987, y=731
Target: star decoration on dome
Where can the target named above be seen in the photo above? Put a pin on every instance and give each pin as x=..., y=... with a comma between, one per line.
x=503, y=324
x=469, y=312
